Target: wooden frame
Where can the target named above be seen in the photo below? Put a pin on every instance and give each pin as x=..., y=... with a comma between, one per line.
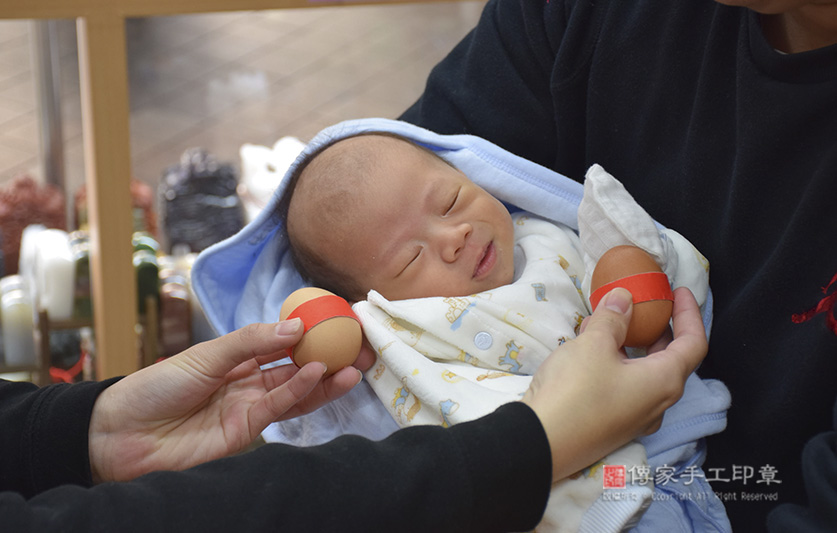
x=105, y=119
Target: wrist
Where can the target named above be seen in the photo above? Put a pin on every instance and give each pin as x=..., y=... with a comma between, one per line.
x=99, y=436
x=97, y=440
x=574, y=441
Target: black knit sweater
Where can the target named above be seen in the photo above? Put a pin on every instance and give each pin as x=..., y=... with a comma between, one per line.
x=719, y=137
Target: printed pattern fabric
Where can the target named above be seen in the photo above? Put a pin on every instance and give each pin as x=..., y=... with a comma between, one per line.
x=447, y=360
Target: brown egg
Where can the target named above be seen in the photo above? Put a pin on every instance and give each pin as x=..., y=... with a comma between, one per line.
x=653, y=302
x=330, y=336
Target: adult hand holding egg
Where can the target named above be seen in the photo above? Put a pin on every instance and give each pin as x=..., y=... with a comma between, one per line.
x=207, y=402
x=605, y=399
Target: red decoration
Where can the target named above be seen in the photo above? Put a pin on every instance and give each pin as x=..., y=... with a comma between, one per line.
x=643, y=287
x=319, y=310
x=826, y=305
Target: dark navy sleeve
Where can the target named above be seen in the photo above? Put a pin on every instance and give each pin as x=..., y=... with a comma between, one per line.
x=44, y=434
x=495, y=82
x=819, y=472
x=492, y=474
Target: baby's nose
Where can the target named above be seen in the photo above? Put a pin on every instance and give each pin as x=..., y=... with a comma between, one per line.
x=454, y=239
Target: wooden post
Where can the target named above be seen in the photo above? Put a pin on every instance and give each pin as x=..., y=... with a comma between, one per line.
x=105, y=111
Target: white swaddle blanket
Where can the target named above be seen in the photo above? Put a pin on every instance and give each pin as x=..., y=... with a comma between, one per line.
x=448, y=360
x=247, y=277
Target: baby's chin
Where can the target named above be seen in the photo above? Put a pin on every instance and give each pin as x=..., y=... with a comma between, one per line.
x=504, y=276
x=451, y=292
x=503, y=281
x=500, y=280
x=506, y=273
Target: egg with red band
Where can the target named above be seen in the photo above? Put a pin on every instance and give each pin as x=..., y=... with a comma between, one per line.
x=635, y=270
x=332, y=333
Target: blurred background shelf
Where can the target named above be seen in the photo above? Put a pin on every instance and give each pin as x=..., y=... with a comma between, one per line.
x=212, y=73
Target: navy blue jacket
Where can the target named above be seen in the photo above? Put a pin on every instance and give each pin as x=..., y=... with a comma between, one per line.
x=419, y=479
x=718, y=136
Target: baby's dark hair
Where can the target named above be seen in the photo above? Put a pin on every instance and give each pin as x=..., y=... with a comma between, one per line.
x=313, y=268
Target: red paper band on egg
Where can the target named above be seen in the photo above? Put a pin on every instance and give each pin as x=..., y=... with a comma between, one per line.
x=319, y=310
x=644, y=287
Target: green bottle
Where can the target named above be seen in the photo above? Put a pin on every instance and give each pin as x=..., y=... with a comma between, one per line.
x=148, y=280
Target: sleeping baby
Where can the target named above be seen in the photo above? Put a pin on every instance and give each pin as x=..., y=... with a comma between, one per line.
x=462, y=299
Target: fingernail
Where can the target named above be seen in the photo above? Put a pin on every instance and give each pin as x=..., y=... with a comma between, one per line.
x=359, y=376
x=289, y=327
x=325, y=367
x=618, y=300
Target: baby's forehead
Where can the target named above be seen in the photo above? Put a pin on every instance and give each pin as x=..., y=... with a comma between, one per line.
x=351, y=157
x=371, y=146
x=365, y=159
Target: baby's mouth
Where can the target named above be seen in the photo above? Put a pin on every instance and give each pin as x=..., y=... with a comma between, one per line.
x=486, y=262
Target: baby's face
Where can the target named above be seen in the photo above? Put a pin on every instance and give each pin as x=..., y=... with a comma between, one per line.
x=424, y=229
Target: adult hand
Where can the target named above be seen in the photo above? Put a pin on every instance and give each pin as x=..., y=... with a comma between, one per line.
x=592, y=399
x=207, y=402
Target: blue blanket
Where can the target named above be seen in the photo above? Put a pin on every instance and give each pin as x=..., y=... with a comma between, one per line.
x=245, y=279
